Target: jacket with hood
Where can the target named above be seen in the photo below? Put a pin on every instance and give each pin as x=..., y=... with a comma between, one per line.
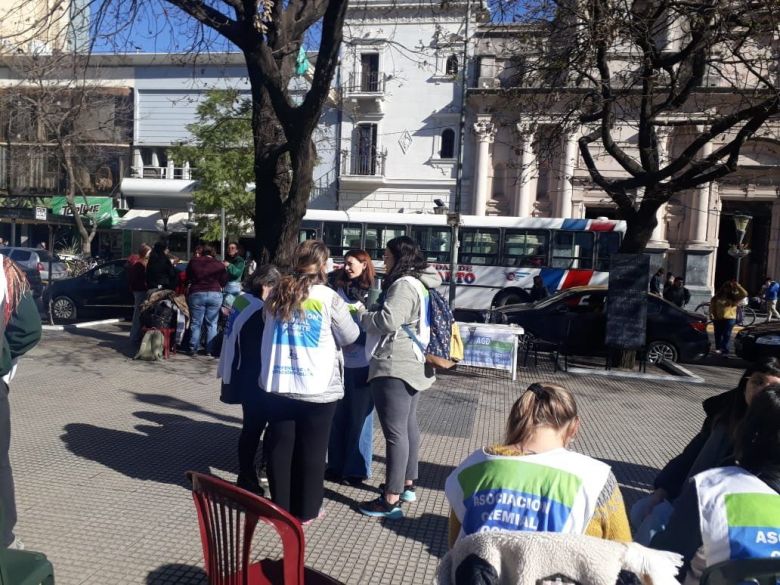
x=395, y=356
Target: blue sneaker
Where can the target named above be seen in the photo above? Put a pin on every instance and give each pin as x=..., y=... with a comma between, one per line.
x=381, y=508
x=408, y=494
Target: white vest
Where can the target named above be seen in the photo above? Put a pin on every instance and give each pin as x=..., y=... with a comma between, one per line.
x=423, y=323
x=354, y=354
x=243, y=308
x=739, y=515
x=556, y=491
x=299, y=355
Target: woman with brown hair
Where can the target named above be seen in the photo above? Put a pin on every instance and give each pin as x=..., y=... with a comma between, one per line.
x=350, y=449
x=723, y=312
x=532, y=482
x=21, y=324
x=136, y=276
x=301, y=372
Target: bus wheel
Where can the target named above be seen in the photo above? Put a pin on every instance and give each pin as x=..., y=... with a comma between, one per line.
x=510, y=297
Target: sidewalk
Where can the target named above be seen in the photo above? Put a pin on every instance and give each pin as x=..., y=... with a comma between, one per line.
x=101, y=443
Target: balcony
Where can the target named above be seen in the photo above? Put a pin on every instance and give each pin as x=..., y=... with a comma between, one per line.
x=366, y=90
x=157, y=172
x=363, y=167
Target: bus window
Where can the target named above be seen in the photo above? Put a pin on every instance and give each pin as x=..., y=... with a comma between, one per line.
x=479, y=246
x=434, y=242
x=306, y=234
x=607, y=243
x=526, y=248
x=377, y=237
x=572, y=250
x=341, y=238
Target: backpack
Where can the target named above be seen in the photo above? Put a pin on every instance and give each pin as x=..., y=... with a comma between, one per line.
x=151, y=349
x=445, y=347
x=160, y=315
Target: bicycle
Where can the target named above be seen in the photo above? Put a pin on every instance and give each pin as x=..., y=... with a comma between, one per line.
x=746, y=316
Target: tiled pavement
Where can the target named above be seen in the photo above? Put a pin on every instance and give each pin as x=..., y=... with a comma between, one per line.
x=101, y=444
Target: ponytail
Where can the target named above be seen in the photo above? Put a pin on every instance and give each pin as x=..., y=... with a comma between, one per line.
x=541, y=405
x=309, y=263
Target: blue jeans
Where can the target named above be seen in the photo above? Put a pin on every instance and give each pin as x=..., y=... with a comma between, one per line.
x=351, y=445
x=723, y=328
x=204, y=305
x=647, y=523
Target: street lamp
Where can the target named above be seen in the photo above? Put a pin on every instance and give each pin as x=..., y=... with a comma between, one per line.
x=453, y=221
x=165, y=215
x=739, y=250
x=190, y=209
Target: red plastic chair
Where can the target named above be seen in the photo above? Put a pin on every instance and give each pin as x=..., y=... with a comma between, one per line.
x=228, y=517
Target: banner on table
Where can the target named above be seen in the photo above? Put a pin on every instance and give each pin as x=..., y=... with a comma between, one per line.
x=485, y=347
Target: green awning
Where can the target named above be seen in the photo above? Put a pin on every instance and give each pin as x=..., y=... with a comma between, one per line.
x=98, y=209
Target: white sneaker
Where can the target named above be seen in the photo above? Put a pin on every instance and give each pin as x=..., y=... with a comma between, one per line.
x=17, y=544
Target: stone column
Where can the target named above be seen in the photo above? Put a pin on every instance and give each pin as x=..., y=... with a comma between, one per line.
x=526, y=185
x=138, y=163
x=485, y=131
x=567, y=173
x=701, y=204
x=658, y=239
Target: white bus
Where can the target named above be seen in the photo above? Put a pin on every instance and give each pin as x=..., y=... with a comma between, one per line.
x=498, y=256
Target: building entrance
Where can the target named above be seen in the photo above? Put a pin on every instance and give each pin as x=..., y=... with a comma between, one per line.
x=753, y=267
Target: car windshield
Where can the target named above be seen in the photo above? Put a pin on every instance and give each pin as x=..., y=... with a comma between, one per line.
x=44, y=256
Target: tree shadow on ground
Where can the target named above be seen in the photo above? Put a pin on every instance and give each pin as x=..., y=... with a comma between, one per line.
x=174, y=403
x=430, y=475
x=176, y=573
x=635, y=480
x=161, y=452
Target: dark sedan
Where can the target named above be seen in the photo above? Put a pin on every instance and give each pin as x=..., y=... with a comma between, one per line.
x=102, y=291
x=577, y=317
x=758, y=341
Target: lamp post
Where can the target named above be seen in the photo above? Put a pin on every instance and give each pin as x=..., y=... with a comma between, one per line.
x=190, y=209
x=165, y=215
x=739, y=250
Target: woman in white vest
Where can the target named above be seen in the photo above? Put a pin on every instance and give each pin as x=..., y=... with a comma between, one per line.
x=239, y=370
x=301, y=370
x=350, y=449
x=532, y=482
x=731, y=513
x=397, y=369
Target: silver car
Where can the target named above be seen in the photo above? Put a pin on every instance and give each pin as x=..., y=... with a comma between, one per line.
x=37, y=258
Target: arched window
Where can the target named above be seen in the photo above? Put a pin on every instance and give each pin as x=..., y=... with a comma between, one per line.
x=447, y=144
x=452, y=65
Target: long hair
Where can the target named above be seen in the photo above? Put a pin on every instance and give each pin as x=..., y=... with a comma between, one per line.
x=143, y=253
x=16, y=286
x=408, y=258
x=758, y=443
x=541, y=405
x=309, y=264
x=366, y=279
x=733, y=415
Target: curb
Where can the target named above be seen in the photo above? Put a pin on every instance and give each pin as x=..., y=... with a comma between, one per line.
x=682, y=374
x=85, y=325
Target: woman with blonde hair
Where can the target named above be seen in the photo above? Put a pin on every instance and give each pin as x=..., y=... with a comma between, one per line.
x=306, y=324
x=533, y=482
x=136, y=277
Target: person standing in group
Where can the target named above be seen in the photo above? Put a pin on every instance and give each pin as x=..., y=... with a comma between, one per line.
x=206, y=276
x=21, y=324
x=578, y=494
x=723, y=312
x=239, y=369
x=771, y=290
x=136, y=276
x=397, y=370
x=301, y=371
x=350, y=448
x=160, y=273
x=657, y=283
x=235, y=265
x=677, y=294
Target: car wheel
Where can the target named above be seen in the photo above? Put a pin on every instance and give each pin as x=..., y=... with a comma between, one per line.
x=659, y=351
x=63, y=309
x=510, y=297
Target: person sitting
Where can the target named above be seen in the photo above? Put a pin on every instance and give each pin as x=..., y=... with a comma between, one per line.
x=731, y=513
x=538, y=290
x=533, y=482
x=713, y=446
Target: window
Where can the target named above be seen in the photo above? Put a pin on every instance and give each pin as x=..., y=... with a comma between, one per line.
x=365, y=155
x=607, y=243
x=586, y=303
x=108, y=271
x=526, y=248
x=572, y=250
x=451, y=67
x=447, y=144
x=341, y=238
x=369, y=72
x=20, y=255
x=377, y=237
x=306, y=234
x=479, y=246
x=434, y=242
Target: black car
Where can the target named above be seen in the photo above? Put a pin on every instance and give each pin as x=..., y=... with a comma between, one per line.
x=758, y=341
x=577, y=316
x=102, y=291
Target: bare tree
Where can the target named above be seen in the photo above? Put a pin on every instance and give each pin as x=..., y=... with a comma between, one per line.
x=625, y=74
x=63, y=133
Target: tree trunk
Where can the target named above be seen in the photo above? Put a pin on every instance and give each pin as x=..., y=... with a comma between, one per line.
x=70, y=196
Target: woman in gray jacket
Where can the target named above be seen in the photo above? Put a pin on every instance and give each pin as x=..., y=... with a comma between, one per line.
x=397, y=370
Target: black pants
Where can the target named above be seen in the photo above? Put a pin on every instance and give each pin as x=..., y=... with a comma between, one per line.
x=297, y=440
x=7, y=497
x=254, y=423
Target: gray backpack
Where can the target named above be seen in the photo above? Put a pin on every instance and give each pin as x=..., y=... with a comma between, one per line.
x=151, y=348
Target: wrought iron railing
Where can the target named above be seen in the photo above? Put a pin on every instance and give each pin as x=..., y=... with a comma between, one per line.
x=359, y=162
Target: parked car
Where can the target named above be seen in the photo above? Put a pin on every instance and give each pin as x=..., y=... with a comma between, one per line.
x=577, y=317
x=102, y=291
x=758, y=341
x=38, y=259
